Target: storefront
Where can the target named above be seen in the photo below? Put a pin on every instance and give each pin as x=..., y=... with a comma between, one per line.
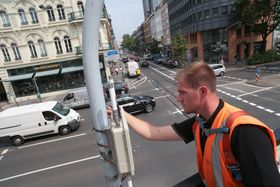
x=46, y=78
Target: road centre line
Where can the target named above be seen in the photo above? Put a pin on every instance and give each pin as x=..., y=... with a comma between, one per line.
x=68, y=137
x=49, y=168
x=163, y=74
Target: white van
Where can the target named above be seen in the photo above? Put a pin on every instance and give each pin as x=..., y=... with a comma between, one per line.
x=30, y=121
x=76, y=98
x=132, y=67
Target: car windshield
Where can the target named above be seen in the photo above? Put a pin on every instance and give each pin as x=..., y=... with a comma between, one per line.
x=61, y=109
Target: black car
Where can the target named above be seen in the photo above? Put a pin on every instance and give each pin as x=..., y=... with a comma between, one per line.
x=135, y=104
x=120, y=88
x=144, y=63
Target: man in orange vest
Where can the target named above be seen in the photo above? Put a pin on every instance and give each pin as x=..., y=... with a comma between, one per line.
x=230, y=152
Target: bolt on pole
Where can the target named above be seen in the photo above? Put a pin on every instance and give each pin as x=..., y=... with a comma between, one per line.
x=93, y=10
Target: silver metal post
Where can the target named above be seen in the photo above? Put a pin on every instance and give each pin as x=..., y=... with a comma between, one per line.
x=93, y=10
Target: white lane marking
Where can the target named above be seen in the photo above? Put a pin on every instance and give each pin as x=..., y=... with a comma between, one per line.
x=163, y=74
x=163, y=96
x=4, y=151
x=1, y=157
x=260, y=107
x=270, y=111
x=178, y=111
x=49, y=168
x=68, y=137
x=260, y=90
x=174, y=72
x=250, y=103
x=141, y=81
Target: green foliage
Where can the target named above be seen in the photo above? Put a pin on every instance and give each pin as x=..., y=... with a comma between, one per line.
x=128, y=43
x=179, y=46
x=263, y=16
x=260, y=58
x=154, y=47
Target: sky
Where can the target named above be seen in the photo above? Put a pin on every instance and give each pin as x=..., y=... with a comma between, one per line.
x=126, y=16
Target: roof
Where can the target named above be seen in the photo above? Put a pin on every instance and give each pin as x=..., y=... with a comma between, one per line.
x=14, y=111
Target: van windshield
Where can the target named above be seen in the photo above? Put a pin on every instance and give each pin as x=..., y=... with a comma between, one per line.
x=61, y=109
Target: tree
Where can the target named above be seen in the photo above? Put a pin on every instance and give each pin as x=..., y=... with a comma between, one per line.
x=154, y=47
x=128, y=43
x=263, y=16
x=179, y=47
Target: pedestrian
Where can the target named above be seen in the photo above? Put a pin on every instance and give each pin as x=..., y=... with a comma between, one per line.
x=240, y=153
x=117, y=71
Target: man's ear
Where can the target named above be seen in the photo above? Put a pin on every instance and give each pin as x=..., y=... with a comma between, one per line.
x=203, y=90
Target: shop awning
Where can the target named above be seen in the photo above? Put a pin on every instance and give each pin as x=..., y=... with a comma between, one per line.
x=46, y=73
x=72, y=69
x=20, y=77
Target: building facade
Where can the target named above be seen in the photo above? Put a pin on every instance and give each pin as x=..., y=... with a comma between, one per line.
x=209, y=32
x=41, y=46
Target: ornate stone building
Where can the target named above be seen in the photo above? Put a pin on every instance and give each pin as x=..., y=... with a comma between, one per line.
x=41, y=46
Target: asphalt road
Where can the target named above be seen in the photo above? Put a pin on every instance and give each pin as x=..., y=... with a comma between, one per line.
x=73, y=160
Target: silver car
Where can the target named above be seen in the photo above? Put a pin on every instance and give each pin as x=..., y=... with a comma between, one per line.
x=219, y=69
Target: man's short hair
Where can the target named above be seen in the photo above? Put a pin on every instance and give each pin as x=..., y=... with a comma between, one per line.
x=198, y=74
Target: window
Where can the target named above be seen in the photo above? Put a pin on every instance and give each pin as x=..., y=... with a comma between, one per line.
x=60, y=11
x=50, y=13
x=81, y=8
x=207, y=14
x=42, y=48
x=58, y=45
x=16, y=51
x=50, y=116
x=200, y=16
x=5, y=19
x=33, y=15
x=224, y=10
x=215, y=12
x=32, y=49
x=5, y=53
x=68, y=45
x=23, y=17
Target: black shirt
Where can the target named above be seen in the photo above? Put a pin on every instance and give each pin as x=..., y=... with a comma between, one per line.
x=250, y=145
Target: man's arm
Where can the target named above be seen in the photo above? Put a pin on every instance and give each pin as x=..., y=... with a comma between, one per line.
x=253, y=149
x=150, y=131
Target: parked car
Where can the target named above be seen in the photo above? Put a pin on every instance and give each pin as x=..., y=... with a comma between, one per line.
x=134, y=104
x=120, y=88
x=171, y=63
x=144, y=63
x=158, y=58
x=148, y=57
x=219, y=69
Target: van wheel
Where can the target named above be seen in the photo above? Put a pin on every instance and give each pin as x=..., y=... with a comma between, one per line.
x=222, y=73
x=17, y=140
x=149, y=108
x=64, y=130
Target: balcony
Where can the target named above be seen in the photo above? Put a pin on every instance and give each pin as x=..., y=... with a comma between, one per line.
x=78, y=50
x=75, y=16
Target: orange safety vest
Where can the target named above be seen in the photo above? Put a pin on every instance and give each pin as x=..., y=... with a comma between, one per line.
x=215, y=165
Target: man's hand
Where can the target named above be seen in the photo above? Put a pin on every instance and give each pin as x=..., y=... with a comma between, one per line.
x=109, y=111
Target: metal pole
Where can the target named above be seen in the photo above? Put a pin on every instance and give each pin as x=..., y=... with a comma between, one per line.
x=93, y=10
